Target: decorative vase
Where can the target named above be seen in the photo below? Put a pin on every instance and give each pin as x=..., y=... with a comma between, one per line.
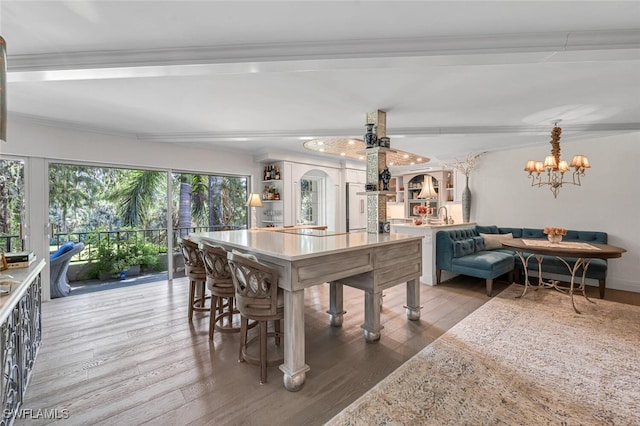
x=466, y=202
x=370, y=138
x=554, y=239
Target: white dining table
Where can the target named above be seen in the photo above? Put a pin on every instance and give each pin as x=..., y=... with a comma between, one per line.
x=308, y=257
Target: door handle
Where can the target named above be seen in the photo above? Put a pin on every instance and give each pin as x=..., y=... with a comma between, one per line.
x=361, y=206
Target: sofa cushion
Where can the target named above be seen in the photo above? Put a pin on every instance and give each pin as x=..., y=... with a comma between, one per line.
x=491, y=229
x=586, y=236
x=533, y=233
x=478, y=243
x=494, y=241
x=516, y=232
x=463, y=247
x=484, y=264
x=68, y=246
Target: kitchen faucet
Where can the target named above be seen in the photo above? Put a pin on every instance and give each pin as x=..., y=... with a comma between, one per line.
x=446, y=214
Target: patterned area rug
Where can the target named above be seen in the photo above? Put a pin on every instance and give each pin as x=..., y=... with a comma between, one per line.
x=518, y=361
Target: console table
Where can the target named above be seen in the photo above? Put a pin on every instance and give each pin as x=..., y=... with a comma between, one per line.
x=21, y=333
x=583, y=252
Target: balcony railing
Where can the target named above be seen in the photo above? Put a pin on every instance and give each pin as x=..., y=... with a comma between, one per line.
x=91, y=240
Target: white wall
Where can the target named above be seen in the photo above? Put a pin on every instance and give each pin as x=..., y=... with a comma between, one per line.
x=608, y=200
x=61, y=144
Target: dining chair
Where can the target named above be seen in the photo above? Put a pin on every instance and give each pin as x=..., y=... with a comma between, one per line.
x=258, y=298
x=194, y=269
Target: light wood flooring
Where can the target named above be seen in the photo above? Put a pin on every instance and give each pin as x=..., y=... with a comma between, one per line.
x=130, y=356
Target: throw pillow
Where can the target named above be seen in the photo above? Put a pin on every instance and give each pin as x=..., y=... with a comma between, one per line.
x=494, y=241
x=68, y=246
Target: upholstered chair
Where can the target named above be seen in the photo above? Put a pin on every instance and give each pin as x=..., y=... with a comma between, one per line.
x=258, y=298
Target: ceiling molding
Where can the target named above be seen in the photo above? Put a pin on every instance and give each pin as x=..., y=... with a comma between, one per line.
x=345, y=49
x=304, y=134
x=397, y=132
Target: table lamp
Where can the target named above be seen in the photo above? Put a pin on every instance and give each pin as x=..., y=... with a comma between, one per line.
x=253, y=202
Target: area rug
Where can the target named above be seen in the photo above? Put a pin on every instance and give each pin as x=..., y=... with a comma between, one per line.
x=517, y=361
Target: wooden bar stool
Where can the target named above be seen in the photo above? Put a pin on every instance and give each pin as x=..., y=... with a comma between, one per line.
x=220, y=285
x=194, y=269
x=258, y=298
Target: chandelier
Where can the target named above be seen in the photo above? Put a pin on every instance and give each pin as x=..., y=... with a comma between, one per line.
x=552, y=171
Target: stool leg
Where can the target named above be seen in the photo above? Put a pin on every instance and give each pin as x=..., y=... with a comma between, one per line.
x=192, y=290
x=263, y=352
x=212, y=315
x=243, y=337
x=203, y=293
x=276, y=328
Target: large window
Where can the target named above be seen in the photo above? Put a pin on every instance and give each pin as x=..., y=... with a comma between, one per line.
x=121, y=214
x=209, y=202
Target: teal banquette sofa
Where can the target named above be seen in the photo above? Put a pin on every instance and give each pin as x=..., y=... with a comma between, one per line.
x=463, y=251
x=466, y=252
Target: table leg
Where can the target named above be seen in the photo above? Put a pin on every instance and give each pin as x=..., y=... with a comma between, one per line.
x=336, y=311
x=525, y=265
x=371, y=324
x=413, y=300
x=294, y=367
x=579, y=262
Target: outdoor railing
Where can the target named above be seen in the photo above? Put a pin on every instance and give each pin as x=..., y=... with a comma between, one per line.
x=91, y=239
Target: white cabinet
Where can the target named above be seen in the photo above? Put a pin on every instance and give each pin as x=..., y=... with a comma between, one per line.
x=356, y=207
x=272, y=193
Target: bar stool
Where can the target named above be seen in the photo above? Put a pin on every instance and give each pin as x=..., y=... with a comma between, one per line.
x=258, y=298
x=194, y=269
x=220, y=285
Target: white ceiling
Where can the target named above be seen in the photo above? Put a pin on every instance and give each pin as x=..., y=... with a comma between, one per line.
x=454, y=77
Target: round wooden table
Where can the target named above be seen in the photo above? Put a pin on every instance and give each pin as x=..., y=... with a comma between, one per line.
x=584, y=252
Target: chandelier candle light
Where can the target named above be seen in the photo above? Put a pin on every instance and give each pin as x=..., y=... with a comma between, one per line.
x=556, y=168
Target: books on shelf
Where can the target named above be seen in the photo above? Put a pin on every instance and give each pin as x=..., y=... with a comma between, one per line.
x=19, y=256
x=23, y=264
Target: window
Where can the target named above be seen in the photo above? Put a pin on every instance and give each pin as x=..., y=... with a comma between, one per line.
x=309, y=201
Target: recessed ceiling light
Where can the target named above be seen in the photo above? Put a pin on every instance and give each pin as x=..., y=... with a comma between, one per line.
x=418, y=159
x=355, y=148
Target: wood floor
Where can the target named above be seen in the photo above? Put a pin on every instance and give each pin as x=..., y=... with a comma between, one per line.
x=130, y=356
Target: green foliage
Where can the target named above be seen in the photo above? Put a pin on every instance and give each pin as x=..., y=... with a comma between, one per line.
x=117, y=254
x=11, y=196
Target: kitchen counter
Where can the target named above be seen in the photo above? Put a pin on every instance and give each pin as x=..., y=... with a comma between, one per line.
x=283, y=228
x=428, y=245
